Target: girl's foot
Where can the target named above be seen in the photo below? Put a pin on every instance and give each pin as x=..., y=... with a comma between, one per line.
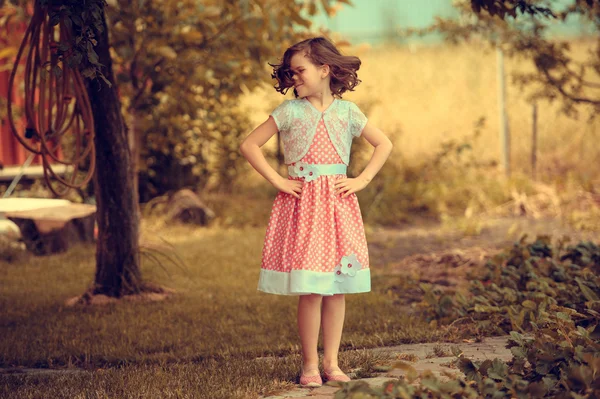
x=336, y=374
x=310, y=378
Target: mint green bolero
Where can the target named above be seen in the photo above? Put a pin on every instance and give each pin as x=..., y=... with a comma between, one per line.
x=297, y=122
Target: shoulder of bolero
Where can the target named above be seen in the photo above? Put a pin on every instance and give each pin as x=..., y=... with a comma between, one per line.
x=296, y=102
x=345, y=103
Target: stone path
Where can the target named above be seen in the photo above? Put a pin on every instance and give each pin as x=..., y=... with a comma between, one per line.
x=489, y=348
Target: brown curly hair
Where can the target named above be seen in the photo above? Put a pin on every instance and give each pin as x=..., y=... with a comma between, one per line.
x=342, y=68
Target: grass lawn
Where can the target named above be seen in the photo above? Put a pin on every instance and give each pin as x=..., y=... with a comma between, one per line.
x=203, y=342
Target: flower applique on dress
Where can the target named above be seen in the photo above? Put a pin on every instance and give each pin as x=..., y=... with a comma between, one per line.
x=347, y=267
x=306, y=170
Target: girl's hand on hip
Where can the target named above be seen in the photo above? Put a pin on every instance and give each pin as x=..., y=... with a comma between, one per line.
x=349, y=185
x=289, y=186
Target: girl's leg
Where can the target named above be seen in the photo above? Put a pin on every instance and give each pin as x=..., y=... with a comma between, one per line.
x=334, y=308
x=309, y=319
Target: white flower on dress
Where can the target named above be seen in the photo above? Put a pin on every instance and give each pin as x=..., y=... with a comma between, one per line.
x=306, y=170
x=348, y=267
x=339, y=277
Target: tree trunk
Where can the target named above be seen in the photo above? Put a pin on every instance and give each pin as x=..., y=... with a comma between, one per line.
x=117, y=251
x=135, y=141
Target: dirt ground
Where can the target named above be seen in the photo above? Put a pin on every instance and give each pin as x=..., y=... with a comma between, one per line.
x=422, y=251
x=387, y=244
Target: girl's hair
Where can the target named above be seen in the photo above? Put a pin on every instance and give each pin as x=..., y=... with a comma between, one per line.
x=342, y=68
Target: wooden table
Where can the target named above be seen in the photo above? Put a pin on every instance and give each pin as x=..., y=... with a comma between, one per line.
x=53, y=229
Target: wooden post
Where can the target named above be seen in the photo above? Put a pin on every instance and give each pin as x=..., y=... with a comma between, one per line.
x=504, y=128
x=534, y=141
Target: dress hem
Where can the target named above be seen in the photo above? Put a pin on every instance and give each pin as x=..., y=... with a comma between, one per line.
x=304, y=282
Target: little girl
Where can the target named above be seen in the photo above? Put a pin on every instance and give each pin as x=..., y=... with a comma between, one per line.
x=315, y=245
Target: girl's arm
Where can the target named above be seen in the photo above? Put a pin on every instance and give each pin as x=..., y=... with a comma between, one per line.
x=250, y=149
x=383, y=147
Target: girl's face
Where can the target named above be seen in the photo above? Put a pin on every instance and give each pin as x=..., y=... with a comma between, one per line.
x=308, y=78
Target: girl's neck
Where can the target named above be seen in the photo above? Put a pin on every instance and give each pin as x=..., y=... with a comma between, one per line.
x=321, y=100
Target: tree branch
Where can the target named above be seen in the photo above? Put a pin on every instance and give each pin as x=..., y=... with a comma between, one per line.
x=144, y=85
x=562, y=91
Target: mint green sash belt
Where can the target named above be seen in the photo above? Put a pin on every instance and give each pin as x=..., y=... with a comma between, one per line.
x=312, y=171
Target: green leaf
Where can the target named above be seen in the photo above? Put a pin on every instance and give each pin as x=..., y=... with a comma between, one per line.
x=54, y=20
x=563, y=316
x=495, y=376
x=529, y=304
x=88, y=72
x=68, y=23
x=57, y=71
x=518, y=352
x=487, y=309
x=92, y=56
x=77, y=20
x=517, y=337
x=586, y=291
x=63, y=46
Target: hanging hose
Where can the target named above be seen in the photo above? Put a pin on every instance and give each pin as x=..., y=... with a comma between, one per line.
x=55, y=114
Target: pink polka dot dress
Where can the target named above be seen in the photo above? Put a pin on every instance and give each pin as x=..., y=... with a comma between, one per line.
x=317, y=243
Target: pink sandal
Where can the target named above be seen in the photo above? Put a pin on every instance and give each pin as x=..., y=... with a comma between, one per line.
x=310, y=381
x=336, y=377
